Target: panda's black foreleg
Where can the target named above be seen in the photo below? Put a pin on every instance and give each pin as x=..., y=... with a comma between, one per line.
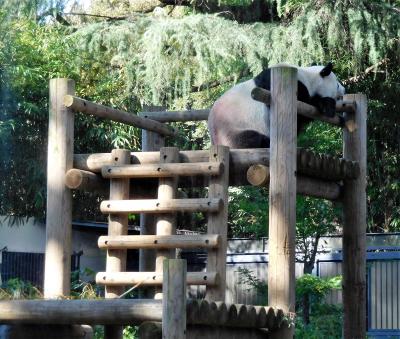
x=249, y=139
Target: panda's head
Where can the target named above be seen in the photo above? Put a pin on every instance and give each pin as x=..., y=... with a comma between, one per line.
x=323, y=87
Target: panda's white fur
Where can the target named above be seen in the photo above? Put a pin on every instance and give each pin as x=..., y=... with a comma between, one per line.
x=326, y=87
x=235, y=111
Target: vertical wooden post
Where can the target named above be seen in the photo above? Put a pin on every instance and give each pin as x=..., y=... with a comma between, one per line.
x=218, y=223
x=150, y=142
x=166, y=223
x=59, y=204
x=355, y=225
x=174, y=299
x=117, y=225
x=282, y=193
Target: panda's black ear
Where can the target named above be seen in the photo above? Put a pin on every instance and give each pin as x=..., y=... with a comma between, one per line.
x=314, y=64
x=326, y=70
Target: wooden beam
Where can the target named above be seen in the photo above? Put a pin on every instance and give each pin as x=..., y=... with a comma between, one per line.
x=84, y=106
x=153, y=278
x=258, y=175
x=309, y=111
x=160, y=206
x=218, y=222
x=117, y=225
x=162, y=170
x=160, y=241
x=86, y=181
x=57, y=270
x=239, y=162
x=282, y=194
x=105, y=312
x=177, y=116
x=166, y=223
x=355, y=225
x=135, y=312
x=258, y=94
x=174, y=299
x=147, y=258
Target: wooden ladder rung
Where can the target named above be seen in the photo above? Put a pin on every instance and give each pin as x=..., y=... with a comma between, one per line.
x=162, y=170
x=158, y=206
x=152, y=278
x=159, y=241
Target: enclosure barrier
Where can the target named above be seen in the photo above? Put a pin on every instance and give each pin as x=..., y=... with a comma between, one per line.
x=155, y=174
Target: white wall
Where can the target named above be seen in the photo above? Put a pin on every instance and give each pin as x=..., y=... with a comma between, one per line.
x=31, y=237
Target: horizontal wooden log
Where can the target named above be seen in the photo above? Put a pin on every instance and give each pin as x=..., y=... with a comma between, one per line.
x=111, y=311
x=258, y=175
x=85, y=180
x=152, y=278
x=309, y=111
x=161, y=206
x=162, y=170
x=136, y=311
x=202, y=114
x=159, y=241
x=239, y=162
x=177, y=116
x=101, y=111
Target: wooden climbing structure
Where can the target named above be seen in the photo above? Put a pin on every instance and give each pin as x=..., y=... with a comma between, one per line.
x=284, y=168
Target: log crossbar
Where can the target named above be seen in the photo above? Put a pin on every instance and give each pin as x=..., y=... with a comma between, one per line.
x=258, y=94
x=153, y=278
x=159, y=241
x=161, y=206
x=308, y=163
x=135, y=312
x=162, y=170
x=258, y=175
x=84, y=106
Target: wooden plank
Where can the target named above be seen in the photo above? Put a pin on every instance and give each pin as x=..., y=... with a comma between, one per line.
x=355, y=224
x=174, y=299
x=57, y=269
x=166, y=223
x=218, y=222
x=117, y=225
x=111, y=311
x=162, y=170
x=282, y=193
x=153, y=278
x=160, y=241
x=84, y=106
x=160, y=206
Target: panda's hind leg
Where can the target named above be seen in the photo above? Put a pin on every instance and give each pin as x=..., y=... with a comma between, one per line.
x=249, y=139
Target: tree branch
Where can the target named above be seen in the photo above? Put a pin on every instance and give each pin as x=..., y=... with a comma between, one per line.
x=216, y=83
x=98, y=16
x=367, y=71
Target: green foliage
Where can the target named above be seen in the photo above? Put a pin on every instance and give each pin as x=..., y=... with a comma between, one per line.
x=247, y=278
x=326, y=322
x=316, y=287
x=18, y=289
x=247, y=210
x=326, y=319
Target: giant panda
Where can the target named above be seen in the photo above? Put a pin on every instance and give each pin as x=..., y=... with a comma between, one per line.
x=238, y=121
